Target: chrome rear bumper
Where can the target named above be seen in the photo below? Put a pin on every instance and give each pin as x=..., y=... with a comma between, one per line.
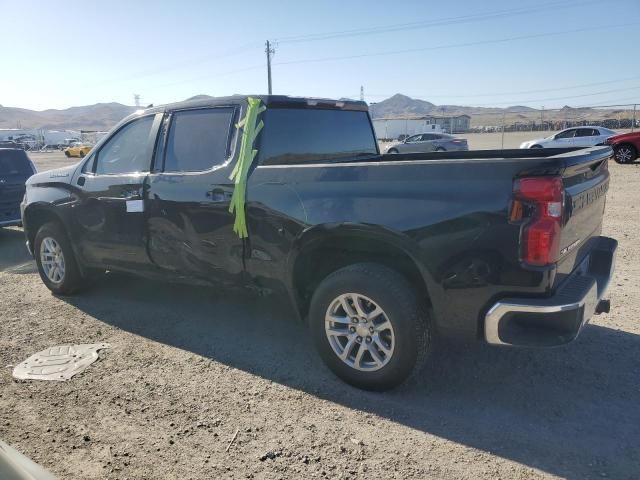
x=558, y=319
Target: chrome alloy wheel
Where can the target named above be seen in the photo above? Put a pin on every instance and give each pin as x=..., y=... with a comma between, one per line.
x=624, y=154
x=52, y=259
x=359, y=332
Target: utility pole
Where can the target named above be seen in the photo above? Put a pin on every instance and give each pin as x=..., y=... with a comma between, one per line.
x=542, y=118
x=633, y=125
x=361, y=93
x=136, y=99
x=270, y=51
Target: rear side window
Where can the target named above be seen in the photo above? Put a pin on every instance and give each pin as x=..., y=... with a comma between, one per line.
x=314, y=135
x=587, y=132
x=198, y=139
x=14, y=162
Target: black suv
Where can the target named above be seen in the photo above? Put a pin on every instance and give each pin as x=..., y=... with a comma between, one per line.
x=15, y=169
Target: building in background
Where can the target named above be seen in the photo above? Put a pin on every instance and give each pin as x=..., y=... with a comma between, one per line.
x=393, y=128
x=36, y=138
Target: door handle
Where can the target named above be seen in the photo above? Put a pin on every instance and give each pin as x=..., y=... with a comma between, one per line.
x=219, y=195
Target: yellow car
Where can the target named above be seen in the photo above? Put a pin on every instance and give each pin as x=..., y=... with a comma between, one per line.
x=77, y=150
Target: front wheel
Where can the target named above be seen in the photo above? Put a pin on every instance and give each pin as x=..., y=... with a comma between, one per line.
x=56, y=261
x=536, y=146
x=625, y=154
x=392, y=151
x=67, y=154
x=368, y=326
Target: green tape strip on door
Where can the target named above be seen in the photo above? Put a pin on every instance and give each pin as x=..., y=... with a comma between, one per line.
x=250, y=130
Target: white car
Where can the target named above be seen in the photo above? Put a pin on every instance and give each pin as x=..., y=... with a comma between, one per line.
x=572, y=137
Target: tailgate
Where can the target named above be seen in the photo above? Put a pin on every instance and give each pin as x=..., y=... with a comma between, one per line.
x=586, y=186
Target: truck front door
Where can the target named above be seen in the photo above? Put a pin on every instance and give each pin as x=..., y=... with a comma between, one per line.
x=189, y=223
x=109, y=225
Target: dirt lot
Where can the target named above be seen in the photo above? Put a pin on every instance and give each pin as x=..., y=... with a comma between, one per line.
x=189, y=367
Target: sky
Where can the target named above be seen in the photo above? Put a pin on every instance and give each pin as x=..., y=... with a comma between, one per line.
x=494, y=53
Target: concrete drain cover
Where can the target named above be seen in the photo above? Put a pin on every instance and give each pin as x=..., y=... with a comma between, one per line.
x=58, y=363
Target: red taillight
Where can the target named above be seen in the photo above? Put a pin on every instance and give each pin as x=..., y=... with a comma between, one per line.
x=542, y=198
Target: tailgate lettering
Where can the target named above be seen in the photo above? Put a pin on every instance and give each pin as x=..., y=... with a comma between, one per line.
x=586, y=198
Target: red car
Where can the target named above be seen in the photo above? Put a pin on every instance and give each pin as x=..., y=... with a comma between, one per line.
x=625, y=146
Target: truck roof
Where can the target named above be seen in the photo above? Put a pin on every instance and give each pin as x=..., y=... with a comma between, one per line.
x=269, y=100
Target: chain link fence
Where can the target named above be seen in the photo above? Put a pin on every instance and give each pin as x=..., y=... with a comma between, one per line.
x=509, y=128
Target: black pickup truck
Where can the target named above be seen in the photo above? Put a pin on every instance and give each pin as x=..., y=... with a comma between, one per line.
x=376, y=252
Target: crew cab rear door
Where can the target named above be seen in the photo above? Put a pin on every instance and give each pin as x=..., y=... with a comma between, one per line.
x=189, y=223
x=109, y=219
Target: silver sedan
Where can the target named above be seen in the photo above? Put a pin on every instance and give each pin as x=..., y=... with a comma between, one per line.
x=429, y=142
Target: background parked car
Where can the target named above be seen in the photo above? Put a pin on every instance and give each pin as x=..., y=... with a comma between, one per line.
x=77, y=149
x=572, y=137
x=625, y=146
x=429, y=142
x=15, y=169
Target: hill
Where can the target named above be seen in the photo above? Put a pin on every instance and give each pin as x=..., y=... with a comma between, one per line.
x=101, y=116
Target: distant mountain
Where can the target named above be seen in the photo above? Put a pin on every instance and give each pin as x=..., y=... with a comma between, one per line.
x=401, y=105
x=101, y=116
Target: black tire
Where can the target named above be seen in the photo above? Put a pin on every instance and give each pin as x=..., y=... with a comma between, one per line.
x=67, y=154
x=440, y=149
x=625, y=153
x=82, y=154
x=392, y=150
x=72, y=279
x=406, y=313
x=536, y=146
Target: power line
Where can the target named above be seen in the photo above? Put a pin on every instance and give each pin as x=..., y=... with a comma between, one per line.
x=454, y=45
x=431, y=23
x=197, y=60
x=209, y=76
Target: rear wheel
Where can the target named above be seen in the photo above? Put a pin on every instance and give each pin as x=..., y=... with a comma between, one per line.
x=56, y=261
x=369, y=326
x=67, y=153
x=625, y=153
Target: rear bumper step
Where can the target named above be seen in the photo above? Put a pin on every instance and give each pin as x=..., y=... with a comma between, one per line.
x=556, y=320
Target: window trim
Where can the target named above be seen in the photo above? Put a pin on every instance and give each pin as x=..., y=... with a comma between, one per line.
x=93, y=157
x=161, y=154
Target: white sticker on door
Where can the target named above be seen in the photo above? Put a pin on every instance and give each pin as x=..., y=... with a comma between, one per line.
x=135, y=206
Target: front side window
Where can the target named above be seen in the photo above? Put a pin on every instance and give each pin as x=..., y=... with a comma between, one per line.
x=127, y=151
x=308, y=135
x=566, y=134
x=198, y=139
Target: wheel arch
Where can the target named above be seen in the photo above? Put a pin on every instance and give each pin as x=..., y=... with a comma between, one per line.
x=322, y=250
x=37, y=214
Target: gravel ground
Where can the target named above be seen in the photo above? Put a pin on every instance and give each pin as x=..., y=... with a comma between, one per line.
x=202, y=384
